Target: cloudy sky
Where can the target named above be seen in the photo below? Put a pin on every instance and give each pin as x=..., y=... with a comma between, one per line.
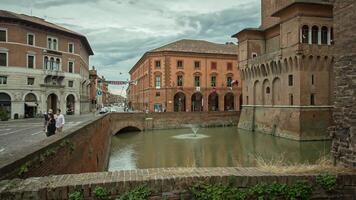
x=120, y=31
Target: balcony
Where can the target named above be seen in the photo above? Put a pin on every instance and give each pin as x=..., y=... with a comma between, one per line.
x=53, y=73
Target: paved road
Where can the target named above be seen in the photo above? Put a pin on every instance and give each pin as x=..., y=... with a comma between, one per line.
x=16, y=135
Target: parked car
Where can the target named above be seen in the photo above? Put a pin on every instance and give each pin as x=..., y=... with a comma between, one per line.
x=104, y=110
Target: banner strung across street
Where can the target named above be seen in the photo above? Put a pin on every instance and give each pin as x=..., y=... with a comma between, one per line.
x=121, y=82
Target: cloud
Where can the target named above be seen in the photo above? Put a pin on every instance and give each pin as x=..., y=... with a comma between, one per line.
x=121, y=31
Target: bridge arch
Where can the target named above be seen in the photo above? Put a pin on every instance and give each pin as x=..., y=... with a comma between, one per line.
x=127, y=129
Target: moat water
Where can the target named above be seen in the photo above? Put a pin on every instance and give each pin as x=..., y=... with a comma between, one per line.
x=216, y=147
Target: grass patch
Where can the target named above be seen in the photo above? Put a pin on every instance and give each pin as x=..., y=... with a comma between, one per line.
x=281, y=166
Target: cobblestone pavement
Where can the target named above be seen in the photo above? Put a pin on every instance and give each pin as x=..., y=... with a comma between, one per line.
x=16, y=135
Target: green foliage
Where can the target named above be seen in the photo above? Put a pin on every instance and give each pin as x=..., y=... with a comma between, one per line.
x=275, y=191
x=77, y=195
x=23, y=169
x=4, y=116
x=140, y=193
x=100, y=192
x=326, y=181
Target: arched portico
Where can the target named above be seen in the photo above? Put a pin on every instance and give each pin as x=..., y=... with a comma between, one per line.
x=52, y=102
x=213, y=102
x=229, y=100
x=179, y=102
x=31, y=103
x=70, y=104
x=5, y=103
x=197, y=102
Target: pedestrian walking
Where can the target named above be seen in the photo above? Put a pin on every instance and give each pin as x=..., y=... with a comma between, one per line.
x=60, y=121
x=51, y=127
x=46, y=119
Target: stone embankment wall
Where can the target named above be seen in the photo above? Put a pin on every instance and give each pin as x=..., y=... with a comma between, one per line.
x=344, y=131
x=164, y=183
x=86, y=148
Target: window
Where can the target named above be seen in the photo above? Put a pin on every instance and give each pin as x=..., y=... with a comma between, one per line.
x=246, y=100
x=305, y=34
x=213, y=65
x=254, y=55
x=3, y=59
x=51, y=63
x=158, y=64
x=315, y=35
x=324, y=35
x=30, y=81
x=3, y=35
x=196, y=65
x=331, y=35
x=70, y=83
x=31, y=39
x=180, y=80
x=158, y=81
x=229, y=66
x=268, y=90
x=70, y=67
x=291, y=99
x=312, y=79
x=312, y=99
x=158, y=107
x=229, y=81
x=30, y=61
x=213, y=81
x=290, y=80
x=179, y=64
x=197, y=81
x=45, y=63
x=52, y=43
x=3, y=80
x=70, y=47
x=158, y=94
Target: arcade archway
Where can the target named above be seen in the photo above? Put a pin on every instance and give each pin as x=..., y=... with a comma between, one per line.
x=5, y=103
x=179, y=102
x=52, y=101
x=197, y=102
x=30, y=105
x=213, y=102
x=70, y=104
x=229, y=100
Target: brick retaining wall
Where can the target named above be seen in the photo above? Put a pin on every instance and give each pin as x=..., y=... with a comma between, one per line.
x=166, y=183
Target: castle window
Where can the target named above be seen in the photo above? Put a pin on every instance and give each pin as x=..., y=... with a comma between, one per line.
x=30, y=39
x=180, y=80
x=158, y=64
x=290, y=80
x=197, y=81
x=213, y=81
x=3, y=59
x=3, y=35
x=30, y=61
x=268, y=90
x=229, y=66
x=197, y=65
x=291, y=99
x=70, y=47
x=312, y=99
x=229, y=81
x=305, y=34
x=70, y=67
x=315, y=34
x=158, y=81
x=324, y=35
x=180, y=64
x=213, y=65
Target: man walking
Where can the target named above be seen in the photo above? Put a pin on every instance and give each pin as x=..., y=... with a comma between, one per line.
x=60, y=121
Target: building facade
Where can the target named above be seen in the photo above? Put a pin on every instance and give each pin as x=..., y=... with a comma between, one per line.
x=42, y=66
x=186, y=76
x=286, y=68
x=98, y=90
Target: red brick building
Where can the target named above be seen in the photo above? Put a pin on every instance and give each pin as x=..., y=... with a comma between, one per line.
x=186, y=76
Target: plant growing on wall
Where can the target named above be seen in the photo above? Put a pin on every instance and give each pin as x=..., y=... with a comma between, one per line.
x=326, y=181
x=77, y=195
x=100, y=192
x=4, y=116
x=139, y=193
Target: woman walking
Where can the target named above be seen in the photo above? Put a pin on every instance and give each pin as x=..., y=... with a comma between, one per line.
x=51, y=127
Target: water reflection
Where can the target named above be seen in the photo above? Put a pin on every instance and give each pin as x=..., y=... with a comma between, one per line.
x=225, y=147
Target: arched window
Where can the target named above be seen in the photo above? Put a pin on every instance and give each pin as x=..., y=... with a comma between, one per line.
x=315, y=33
x=51, y=63
x=305, y=34
x=49, y=43
x=45, y=62
x=324, y=35
x=58, y=61
x=331, y=35
x=54, y=44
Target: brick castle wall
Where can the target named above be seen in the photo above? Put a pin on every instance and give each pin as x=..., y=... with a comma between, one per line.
x=344, y=131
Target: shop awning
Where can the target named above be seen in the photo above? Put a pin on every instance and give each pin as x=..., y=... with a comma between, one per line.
x=31, y=104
